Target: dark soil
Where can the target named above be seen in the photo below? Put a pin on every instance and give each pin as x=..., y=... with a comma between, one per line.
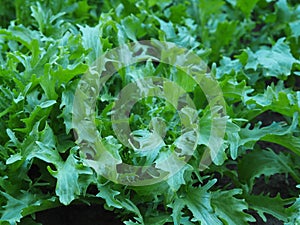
x=78, y=215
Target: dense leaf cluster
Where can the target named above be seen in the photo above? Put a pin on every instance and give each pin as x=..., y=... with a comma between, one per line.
x=253, y=49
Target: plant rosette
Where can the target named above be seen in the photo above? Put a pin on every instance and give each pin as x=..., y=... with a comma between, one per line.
x=161, y=159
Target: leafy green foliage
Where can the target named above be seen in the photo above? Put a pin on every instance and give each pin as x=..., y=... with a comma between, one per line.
x=253, y=48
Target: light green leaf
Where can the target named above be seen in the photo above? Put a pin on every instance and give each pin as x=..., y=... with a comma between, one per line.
x=264, y=204
x=91, y=41
x=295, y=28
x=198, y=201
x=67, y=174
x=108, y=194
x=133, y=27
x=246, y=6
x=24, y=204
x=47, y=104
x=233, y=215
x=246, y=137
x=275, y=62
x=178, y=179
x=294, y=211
x=266, y=163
